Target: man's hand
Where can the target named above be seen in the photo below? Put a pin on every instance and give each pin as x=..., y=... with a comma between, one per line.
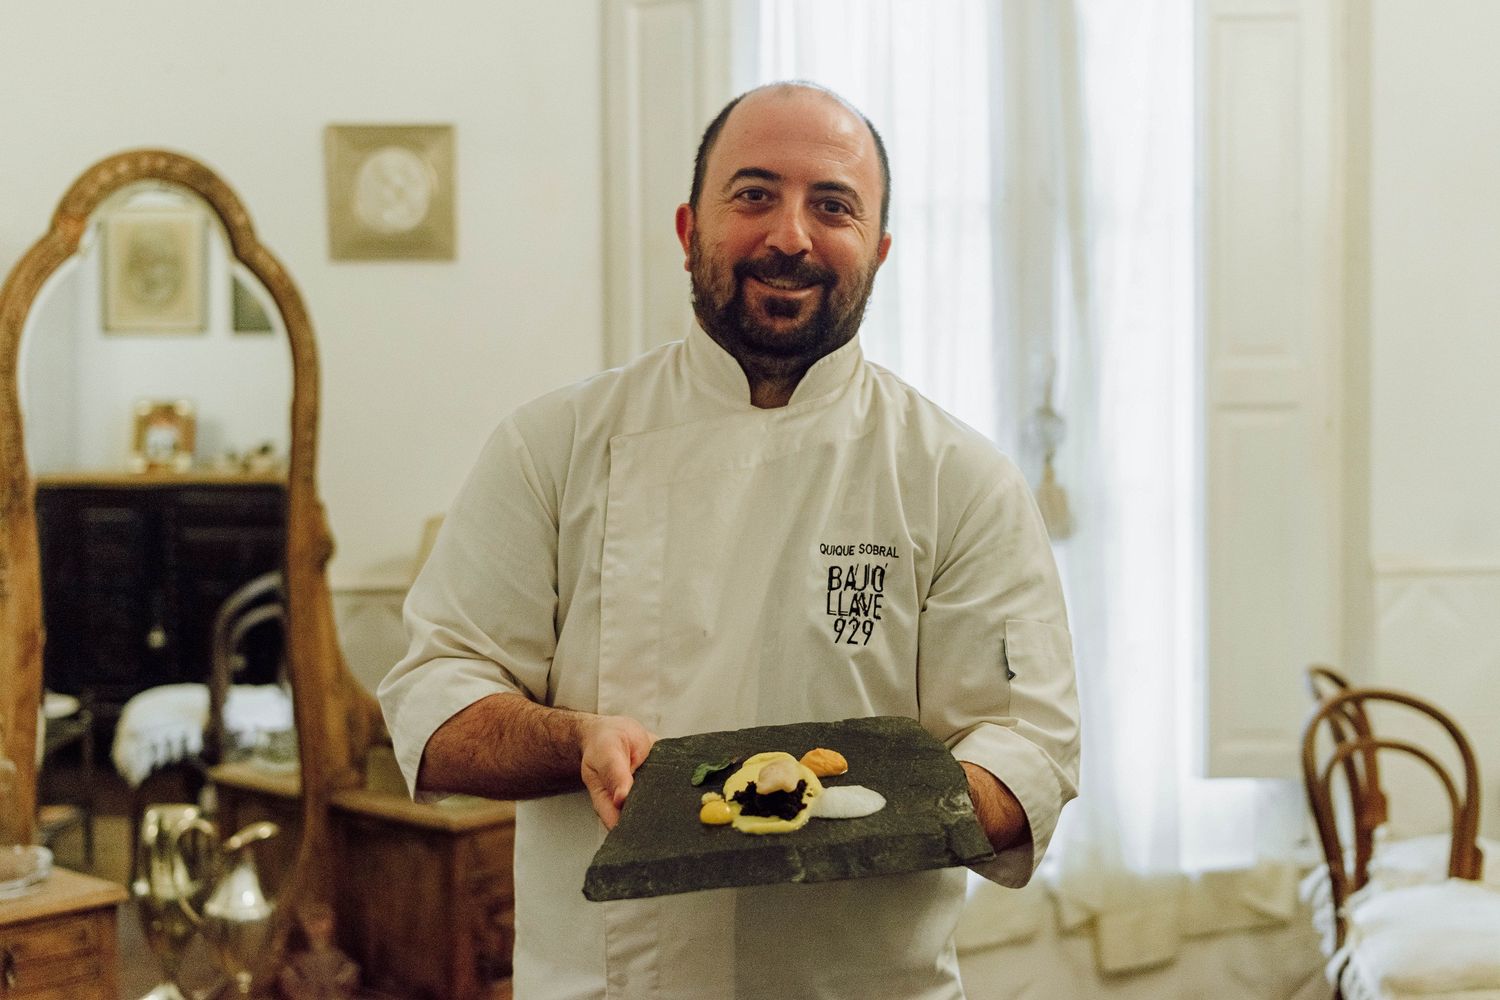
x=998, y=810
x=613, y=747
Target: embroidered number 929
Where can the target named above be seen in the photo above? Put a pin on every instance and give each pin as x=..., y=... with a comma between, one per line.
x=849, y=631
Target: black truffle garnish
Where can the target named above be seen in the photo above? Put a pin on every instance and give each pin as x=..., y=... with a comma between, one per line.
x=780, y=804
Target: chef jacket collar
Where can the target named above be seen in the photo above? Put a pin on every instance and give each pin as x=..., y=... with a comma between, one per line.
x=715, y=367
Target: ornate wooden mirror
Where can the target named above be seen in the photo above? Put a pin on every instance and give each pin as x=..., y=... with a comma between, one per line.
x=335, y=718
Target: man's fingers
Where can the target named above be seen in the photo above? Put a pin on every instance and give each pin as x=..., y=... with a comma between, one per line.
x=605, y=806
x=608, y=783
x=616, y=749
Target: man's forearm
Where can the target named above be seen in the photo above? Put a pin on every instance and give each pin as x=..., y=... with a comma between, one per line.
x=998, y=810
x=505, y=747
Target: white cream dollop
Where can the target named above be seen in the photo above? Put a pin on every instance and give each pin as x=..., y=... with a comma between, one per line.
x=847, y=802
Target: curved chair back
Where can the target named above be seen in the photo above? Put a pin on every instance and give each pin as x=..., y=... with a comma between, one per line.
x=254, y=603
x=1361, y=771
x=1344, y=718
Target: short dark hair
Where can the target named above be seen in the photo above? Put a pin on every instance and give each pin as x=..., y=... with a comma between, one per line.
x=711, y=137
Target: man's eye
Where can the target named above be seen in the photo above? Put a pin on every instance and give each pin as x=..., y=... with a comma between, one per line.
x=833, y=207
x=753, y=195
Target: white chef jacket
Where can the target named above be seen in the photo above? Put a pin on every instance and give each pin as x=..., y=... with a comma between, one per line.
x=647, y=543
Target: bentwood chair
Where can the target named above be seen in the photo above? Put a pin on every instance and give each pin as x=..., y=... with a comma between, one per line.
x=186, y=729
x=1361, y=770
x=1398, y=940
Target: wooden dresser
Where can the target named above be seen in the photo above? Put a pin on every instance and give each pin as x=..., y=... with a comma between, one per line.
x=449, y=866
x=59, y=942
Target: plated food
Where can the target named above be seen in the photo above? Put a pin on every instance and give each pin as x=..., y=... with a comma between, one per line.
x=774, y=792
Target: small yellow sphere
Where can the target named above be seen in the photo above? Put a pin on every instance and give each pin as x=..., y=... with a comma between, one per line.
x=715, y=813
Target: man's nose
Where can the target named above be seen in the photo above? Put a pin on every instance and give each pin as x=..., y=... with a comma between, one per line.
x=789, y=231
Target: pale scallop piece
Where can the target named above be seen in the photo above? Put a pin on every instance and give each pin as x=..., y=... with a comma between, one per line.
x=847, y=802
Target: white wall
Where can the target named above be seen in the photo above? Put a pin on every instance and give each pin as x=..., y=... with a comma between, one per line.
x=1434, y=345
x=418, y=360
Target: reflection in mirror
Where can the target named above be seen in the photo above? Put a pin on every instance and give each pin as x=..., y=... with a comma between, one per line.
x=154, y=308
x=155, y=386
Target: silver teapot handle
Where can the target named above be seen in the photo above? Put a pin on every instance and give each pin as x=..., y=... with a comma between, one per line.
x=179, y=866
x=254, y=833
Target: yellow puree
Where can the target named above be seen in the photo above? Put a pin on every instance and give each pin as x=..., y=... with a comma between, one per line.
x=748, y=772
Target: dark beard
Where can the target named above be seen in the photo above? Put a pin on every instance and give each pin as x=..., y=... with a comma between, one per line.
x=768, y=354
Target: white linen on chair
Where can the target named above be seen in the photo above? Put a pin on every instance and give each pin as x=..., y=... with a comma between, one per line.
x=1429, y=941
x=1395, y=864
x=165, y=723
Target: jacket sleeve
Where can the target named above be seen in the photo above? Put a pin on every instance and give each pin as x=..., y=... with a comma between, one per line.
x=480, y=617
x=995, y=662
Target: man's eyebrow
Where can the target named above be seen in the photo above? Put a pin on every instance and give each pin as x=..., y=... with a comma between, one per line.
x=758, y=173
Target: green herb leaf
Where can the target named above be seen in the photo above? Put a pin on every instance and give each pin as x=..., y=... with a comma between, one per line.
x=711, y=769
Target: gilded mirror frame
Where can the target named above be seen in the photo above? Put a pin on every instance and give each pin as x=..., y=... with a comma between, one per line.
x=335, y=718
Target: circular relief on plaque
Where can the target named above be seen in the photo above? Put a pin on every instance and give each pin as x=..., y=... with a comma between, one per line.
x=393, y=190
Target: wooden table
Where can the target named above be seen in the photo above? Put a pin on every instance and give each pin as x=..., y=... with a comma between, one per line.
x=58, y=943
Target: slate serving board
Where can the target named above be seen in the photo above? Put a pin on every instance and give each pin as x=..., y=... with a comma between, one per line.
x=659, y=847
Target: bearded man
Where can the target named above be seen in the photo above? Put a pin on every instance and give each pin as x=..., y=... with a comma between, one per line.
x=647, y=553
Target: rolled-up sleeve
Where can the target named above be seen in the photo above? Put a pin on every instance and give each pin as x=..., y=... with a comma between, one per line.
x=995, y=663
x=481, y=616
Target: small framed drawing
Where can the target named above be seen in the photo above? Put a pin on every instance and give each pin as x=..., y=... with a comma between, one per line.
x=245, y=307
x=164, y=432
x=390, y=192
x=153, y=271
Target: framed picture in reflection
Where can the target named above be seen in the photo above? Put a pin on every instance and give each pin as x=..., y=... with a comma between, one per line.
x=245, y=307
x=164, y=436
x=153, y=271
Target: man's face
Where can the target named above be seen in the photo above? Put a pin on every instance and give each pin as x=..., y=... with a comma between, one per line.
x=786, y=239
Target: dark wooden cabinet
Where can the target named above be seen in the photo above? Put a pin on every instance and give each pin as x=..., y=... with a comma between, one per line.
x=134, y=569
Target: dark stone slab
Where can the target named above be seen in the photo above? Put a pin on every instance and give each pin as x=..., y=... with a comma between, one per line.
x=659, y=848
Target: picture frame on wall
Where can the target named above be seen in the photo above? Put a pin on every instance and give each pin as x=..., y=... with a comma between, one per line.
x=164, y=436
x=390, y=192
x=154, y=271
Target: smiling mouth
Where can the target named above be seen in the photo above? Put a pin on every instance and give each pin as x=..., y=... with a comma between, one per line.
x=786, y=284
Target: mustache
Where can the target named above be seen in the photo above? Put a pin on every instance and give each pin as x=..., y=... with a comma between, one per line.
x=784, y=267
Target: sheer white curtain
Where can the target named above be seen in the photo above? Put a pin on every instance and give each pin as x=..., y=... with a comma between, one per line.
x=920, y=72
x=1042, y=162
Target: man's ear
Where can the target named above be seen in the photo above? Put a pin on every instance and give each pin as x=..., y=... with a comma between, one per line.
x=882, y=248
x=685, y=226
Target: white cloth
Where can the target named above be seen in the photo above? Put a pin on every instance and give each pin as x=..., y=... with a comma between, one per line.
x=649, y=544
x=1422, y=940
x=1395, y=864
x=165, y=723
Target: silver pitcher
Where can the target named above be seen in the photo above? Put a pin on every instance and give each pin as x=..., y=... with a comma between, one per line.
x=160, y=877
x=235, y=918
